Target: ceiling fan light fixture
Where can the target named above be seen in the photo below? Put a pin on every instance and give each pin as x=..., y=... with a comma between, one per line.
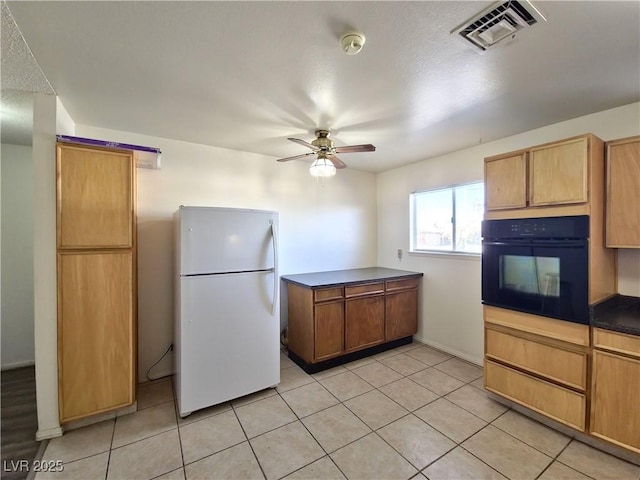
x=322, y=167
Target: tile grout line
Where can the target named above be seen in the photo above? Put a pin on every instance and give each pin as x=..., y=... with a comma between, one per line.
x=556, y=458
x=326, y=454
x=113, y=434
x=176, y=414
x=233, y=409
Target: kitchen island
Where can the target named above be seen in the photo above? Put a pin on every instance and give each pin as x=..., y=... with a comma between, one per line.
x=339, y=316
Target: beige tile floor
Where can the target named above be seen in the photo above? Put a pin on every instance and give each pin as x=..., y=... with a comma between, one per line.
x=412, y=412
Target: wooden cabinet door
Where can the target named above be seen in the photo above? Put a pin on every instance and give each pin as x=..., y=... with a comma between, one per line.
x=401, y=311
x=364, y=322
x=623, y=193
x=558, y=173
x=95, y=197
x=95, y=332
x=615, y=415
x=506, y=182
x=329, y=330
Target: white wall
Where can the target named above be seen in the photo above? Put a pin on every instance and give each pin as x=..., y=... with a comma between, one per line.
x=323, y=226
x=451, y=313
x=17, y=256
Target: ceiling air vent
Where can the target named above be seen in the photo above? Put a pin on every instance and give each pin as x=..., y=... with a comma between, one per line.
x=497, y=23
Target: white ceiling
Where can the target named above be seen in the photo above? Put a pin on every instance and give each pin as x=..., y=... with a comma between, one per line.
x=247, y=75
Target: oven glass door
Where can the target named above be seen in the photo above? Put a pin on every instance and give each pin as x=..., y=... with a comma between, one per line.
x=547, y=278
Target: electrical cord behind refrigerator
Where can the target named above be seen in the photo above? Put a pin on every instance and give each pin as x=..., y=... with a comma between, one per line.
x=157, y=362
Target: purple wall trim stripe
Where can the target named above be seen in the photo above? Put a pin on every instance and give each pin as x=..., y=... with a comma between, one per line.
x=104, y=143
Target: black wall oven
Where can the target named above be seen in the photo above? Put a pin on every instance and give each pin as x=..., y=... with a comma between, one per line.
x=538, y=266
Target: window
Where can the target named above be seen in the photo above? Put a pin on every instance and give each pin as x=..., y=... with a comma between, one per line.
x=447, y=219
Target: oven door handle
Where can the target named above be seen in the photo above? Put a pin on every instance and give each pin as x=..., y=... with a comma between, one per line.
x=553, y=243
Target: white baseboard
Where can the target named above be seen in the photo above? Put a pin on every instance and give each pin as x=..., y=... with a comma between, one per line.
x=451, y=351
x=14, y=365
x=48, y=433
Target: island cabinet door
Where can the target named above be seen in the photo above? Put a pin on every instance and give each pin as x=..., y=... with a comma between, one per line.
x=364, y=322
x=401, y=314
x=329, y=330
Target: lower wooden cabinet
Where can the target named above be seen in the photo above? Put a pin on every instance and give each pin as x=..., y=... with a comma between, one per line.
x=538, y=362
x=615, y=399
x=96, y=349
x=328, y=322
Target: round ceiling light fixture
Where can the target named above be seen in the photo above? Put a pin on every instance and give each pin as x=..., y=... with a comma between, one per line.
x=352, y=42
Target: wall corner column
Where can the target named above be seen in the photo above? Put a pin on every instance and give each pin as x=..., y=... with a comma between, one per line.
x=44, y=265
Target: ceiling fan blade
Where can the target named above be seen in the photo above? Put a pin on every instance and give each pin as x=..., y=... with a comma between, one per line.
x=355, y=148
x=304, y=144
x=304, y=155
x=336, y=161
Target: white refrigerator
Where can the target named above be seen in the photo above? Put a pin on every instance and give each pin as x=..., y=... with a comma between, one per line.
x=227, y=322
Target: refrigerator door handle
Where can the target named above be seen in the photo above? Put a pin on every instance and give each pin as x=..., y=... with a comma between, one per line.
x=274, y=233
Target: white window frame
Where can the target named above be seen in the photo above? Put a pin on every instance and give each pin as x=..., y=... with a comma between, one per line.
x=413, y=233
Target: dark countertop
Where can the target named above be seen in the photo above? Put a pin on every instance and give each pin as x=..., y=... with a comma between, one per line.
x=620, y=313
x=342, y=277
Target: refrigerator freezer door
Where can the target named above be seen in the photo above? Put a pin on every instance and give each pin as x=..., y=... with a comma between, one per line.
x=229, y=345
x=218, y=240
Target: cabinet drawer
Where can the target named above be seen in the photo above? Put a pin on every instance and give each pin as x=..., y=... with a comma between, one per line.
x=558, y=403
x=616, y=342
x=355, y=290
x=563, y=366
x=547, y=327
x=404, y=284
x=324, y=294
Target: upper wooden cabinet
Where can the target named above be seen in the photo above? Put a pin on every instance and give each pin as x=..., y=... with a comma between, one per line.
x=537, y=181
x=506, y=182
x=95, y=197
x=623, y=193
x=558, y=173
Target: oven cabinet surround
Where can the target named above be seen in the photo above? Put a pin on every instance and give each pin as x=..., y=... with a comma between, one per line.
x=562, y=178
x=538, y=362
x=615, y=411
x=338, y=316
x=623, y=193
x=96, y=284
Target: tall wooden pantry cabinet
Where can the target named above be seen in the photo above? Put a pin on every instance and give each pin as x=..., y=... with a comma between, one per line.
x=96, y=254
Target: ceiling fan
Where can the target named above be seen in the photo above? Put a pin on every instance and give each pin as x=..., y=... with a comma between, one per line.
x=326, y=161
